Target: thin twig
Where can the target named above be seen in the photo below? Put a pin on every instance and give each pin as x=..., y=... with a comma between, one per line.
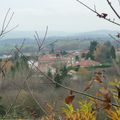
x=28, y=87
x=109, y=3
x=119, y=2
x=5, y=32
x=48, y=44
x=114, y=38
x=37, y=41
x=6, y=23
x=109, y=20
x=22, y=44
x=95, y=7
x=37, y=38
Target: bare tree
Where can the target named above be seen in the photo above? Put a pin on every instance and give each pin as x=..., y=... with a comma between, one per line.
x=6, y=22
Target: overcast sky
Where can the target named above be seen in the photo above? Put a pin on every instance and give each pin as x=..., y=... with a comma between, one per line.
x=59, y=15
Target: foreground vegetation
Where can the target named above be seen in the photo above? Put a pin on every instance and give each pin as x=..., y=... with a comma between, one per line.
x=56, y=102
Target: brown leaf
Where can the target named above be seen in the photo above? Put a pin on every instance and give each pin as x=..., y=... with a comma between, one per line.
x=97, y=78
x=69, y=99
x=49, y=108
x=97, y=105
x=105, y=93
x=99, y=73
x=107, y=98
x=107, y=106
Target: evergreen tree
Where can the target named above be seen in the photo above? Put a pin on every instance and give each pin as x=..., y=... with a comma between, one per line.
x=63, y=52
x=113, y=53
x=64, y=72
x=58, y=81
x=92, y=48
x=77, y=58
x=60, y=76
x=104, y=53
x=49, y=73
x=89, y=55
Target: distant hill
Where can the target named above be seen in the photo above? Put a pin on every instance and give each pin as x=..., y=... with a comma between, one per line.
x=76, y=40
x=16, y=41
x=30, y=34
x=17, y=37
x=101, y=34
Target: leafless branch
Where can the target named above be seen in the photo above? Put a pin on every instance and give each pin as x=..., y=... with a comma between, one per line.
x=119, y=2
x=5, y=32
x=48, y=44
x=117, y=40
x=98, y=14
x=9, y=21
x=109, y=3
x=95, y=7
x=37, y=38
x=6, y=23
x=22, y=44
x=28, y=87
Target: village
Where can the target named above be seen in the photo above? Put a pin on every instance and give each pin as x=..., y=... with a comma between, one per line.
x=51, y=61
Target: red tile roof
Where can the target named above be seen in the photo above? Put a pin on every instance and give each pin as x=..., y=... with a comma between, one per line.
x=51, y=58
x=87, y=63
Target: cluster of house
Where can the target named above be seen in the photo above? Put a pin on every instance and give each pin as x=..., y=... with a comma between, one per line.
x=48, y=61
